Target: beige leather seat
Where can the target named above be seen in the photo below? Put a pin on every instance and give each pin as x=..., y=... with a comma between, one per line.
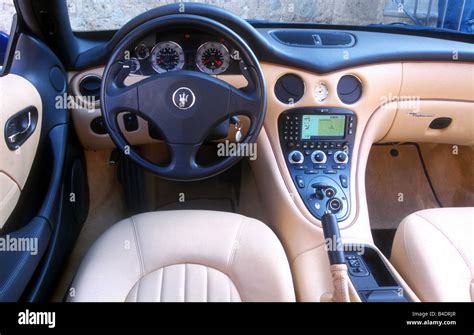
x=185, y=256
x=434, y=252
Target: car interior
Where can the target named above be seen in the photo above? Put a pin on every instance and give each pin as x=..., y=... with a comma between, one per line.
x=194, y=155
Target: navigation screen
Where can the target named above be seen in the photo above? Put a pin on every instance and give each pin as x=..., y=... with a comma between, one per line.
x=322, y=126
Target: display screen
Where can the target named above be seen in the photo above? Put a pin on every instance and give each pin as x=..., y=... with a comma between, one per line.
x=313, y=126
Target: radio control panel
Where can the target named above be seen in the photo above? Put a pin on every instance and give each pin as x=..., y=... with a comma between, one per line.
x=317, y=144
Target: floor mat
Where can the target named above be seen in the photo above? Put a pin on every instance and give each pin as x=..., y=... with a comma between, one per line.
x=396, y=185
x=451, y=172
x=383, y=239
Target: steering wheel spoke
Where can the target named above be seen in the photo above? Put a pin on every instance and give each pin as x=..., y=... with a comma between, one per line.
x=183, y=159
x=118, y=97
x=242, y=102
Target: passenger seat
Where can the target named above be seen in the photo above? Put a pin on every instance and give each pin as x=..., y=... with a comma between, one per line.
x=434, y=252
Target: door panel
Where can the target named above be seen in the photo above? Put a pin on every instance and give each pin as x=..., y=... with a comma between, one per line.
x=16, y=94
x=9, y=195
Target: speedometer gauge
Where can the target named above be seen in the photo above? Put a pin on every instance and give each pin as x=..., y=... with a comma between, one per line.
x=213, y=58
x=167, y=56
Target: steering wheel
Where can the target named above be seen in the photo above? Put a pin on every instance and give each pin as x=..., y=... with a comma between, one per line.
x=185, y=106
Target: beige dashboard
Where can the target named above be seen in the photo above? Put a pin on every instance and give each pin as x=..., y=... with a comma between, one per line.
x=398, y=103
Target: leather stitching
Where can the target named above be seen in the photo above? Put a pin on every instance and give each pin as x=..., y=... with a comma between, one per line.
x=235, y=243
x=184, y=284
x=207, y=284
x=160, y=289
x=137, y=244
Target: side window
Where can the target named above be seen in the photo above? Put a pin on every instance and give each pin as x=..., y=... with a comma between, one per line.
x=7, y=10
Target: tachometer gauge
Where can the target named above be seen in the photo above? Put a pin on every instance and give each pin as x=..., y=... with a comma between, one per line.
x=213, y=58
x=142, y=51
x=135, y=65
x=167, y=56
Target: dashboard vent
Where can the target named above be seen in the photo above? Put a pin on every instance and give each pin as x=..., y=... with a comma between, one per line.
x=314, y=38
x=349, y=89
x=289, y=89
x=89, y=86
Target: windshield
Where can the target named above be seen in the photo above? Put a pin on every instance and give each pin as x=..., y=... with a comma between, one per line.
x=454, y=15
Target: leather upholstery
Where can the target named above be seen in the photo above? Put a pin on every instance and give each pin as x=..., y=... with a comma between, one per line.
x=185, y=256
x=434, y=252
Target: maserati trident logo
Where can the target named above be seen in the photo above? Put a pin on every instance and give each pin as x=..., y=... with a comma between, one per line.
x=184, y=98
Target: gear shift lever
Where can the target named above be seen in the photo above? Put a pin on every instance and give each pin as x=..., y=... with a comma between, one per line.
x=332, y=235
x=335, y=250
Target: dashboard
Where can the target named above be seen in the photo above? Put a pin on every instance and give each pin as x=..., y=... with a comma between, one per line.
x=184, y=50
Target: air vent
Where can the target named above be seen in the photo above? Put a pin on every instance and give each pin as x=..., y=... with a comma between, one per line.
x=289, y=89
x=89, y=86
x=314, y=38
x=349, y=89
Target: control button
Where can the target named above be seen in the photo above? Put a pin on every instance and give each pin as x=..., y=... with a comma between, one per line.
x=290, y=144
x=351, y=257
x=307, y=152
x=300, y=167
x=330, y=171
x=358, y=271
x=317, y=205
x=330, y=192
x=344, y=182
x=130, y=122
x=339, y=167
x=300, y=182
x=295, y=157
x=319, y=157
x=354, y=263
x=311, y=171
x=341, y=157
x=320, y=166
x=334, y=205
x=350, y=132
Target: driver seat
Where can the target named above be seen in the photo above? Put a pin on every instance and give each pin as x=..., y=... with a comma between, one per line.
x=185, y=256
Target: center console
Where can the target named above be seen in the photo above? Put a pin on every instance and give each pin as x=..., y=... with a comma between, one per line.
x=317, y=144
x=371, y=278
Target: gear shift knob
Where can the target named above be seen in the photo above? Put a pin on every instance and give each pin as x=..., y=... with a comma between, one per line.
x=332, y=236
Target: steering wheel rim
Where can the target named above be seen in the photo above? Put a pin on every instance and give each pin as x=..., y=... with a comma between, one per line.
x=162, y=107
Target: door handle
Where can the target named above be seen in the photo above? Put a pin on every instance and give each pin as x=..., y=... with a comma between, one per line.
x=20, y=127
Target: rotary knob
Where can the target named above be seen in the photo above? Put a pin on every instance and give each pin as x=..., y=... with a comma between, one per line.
x=319, y=157
x=341, y=157
x=295, y=157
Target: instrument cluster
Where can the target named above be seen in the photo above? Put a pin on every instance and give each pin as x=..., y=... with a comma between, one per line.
x=184, y=51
